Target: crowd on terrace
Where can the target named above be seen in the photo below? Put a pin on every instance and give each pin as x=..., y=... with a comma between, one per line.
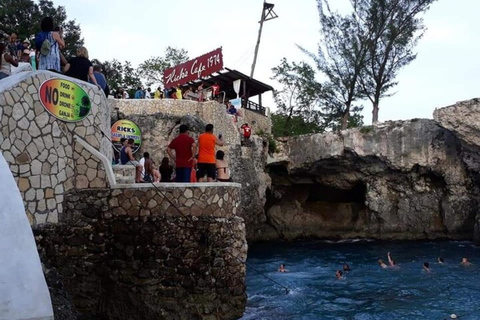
x=193, y=160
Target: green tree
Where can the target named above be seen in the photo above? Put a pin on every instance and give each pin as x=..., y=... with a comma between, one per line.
x=296, y=126
x=152, y=69
x=119, y=75
x=24, y=16
x=395, y=28
x=299, y=96
x=341, y=58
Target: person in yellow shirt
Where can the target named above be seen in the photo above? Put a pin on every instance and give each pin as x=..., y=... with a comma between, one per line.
x=179, y=93
x=158, y=94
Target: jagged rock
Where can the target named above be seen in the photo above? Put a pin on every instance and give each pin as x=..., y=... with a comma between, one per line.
x=463, y=120
x=401, y=180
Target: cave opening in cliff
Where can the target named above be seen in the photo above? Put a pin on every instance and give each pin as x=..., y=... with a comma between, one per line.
x=322, y=193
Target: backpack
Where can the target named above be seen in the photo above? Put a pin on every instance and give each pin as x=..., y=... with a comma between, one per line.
x=42, y=43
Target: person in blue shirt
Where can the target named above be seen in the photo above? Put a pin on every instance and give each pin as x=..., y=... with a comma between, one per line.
x=139, y=93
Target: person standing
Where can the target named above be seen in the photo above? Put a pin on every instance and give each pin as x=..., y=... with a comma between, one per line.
x=100, y=77
x=158, y=94
x=148, y=93
x=48, y=44
x=6, y=60
x=139, y=93
x=126, y=157
x=206, y=154
x=80, y=67
x=185, y=149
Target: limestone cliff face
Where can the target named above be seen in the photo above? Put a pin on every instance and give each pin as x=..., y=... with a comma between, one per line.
x=463, y=120
x=398, y=180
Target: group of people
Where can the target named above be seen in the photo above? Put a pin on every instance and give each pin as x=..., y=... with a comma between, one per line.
x=46, y=54
x=193, y=161
x=198, y=93
x=16, y=56
x=391, y=264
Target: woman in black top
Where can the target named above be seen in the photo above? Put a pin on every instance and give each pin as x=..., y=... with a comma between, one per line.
x=166, y=170
x=80, y=67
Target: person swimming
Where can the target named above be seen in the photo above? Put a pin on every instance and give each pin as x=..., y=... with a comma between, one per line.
x=346, y=267
x=338, y=274
x=391, y=262
x=426, y=266
x=382, y=264
x=440, y=260
x=465, y=262
x=282, y=268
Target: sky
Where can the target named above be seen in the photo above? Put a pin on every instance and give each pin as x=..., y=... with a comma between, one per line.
x=447, y=68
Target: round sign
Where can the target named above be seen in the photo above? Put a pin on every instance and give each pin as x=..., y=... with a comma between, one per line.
x=126, y=129
x=65, y=100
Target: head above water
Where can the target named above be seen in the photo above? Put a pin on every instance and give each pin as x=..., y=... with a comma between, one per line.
x=209, y=128
x=441, y=260
x=346, y=267
x=426, y=265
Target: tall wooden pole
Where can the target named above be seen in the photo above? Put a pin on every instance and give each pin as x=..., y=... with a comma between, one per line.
x=262, y=19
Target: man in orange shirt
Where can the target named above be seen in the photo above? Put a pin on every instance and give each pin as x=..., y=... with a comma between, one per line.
x=206, y=154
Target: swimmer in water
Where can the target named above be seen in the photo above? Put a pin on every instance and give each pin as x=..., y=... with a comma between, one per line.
x=282, y=268
x=391, y=262
x=346, y=267
x=440, y=260
x=382, y=264
x=426, y=267
x=338, y=274
x=465, y=262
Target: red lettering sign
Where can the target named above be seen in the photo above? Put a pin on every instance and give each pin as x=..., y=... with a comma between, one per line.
x=194, y=69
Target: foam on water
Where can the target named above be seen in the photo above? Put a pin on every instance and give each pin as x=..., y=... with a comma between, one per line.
x=367, y=291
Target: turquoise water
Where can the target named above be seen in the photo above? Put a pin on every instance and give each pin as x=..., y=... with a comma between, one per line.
x=367, y=291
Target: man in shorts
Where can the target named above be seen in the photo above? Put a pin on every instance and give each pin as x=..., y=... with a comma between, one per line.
x=206, y=154
x=185, y=148
x=126, y=158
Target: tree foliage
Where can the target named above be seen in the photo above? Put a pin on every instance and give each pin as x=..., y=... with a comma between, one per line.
x=152, y=69
x=24, y=16
x=305, y=105
x=341, y=58
x=119, y=75
x=394, y=28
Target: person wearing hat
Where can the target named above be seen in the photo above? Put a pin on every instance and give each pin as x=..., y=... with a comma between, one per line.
x=24, y=46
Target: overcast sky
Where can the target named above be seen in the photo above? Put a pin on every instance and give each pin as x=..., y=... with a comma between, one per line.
x=446, y=70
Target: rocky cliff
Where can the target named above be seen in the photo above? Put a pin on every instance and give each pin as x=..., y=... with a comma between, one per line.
x=397, y=180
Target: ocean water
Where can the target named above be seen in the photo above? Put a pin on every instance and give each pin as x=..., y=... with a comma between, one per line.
x=367, y=291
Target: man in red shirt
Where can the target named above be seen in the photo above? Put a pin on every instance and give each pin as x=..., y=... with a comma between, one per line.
x=206, y=154
x=247, y=132
x=185, y=149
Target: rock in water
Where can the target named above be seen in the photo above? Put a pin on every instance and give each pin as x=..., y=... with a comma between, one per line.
x=23, y=290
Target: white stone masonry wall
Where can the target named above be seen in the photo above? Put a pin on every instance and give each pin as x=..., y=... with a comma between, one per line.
x=40, y=150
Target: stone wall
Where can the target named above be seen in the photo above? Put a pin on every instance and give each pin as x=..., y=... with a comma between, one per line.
x=208, y=112
x=40, y=150
x=247, y=163
x=129, y=254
